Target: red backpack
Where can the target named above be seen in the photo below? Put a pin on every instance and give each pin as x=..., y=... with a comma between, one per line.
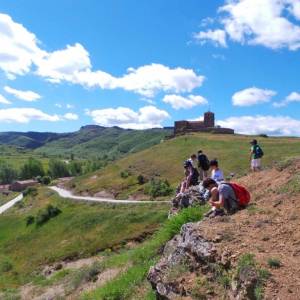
x=241, y=193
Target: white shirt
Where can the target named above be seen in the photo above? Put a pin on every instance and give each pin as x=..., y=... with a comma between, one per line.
x=217, y=175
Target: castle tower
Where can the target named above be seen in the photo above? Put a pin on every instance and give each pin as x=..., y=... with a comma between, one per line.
x=209, y=119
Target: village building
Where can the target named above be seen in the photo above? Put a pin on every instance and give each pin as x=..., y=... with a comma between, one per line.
x=19, y=186
x=207, y=125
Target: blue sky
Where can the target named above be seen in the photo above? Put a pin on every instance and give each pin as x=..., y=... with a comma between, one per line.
x=142, y=64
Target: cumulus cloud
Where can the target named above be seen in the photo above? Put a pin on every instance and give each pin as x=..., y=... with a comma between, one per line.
x=178, y=102
x=292, y=97
x=70, y=116
x=19, y=47
x=252, y=96
x=218, y=37
x=145, y=117
x=3, y=100
x=271, y=125
x=24, y=115
x=20, y=53
x=259, y=22
x=62, y=64
x=22, y=95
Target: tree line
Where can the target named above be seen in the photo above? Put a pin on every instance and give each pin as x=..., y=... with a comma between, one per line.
x=33, y=168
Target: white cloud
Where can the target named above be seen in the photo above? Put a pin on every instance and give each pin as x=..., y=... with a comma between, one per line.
x=218, y=37
x=23, y=95
x=70, y=116
x=145, y=80
x=69, y=106
x=252, y=96
x=24, y=115
x=178, y=102
x=19, y=47
x=58, y=105
x=271, y=125
x=3, y=100
x=259, y=22
x=145, y=117
x=20, y=53
x=292, y=97
x=62, y=64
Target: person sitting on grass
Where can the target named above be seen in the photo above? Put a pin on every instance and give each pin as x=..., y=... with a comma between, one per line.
x=222, y=199
x=216, y=173
x=191, y=176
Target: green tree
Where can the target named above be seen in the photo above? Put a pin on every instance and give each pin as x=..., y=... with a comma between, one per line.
x=7, y=173
x=58, y=168
x=75, y=168
x=32, y=168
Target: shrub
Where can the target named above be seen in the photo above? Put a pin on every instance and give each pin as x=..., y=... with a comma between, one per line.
x=29, y=220
x=156, y=188
x=31, y=190
x=44, y=216
x=5, y=266
x=46, y=180
x=141, y=179
x=274, y=263
x=124, y=174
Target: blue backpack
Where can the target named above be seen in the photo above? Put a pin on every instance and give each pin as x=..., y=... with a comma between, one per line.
x=259, y=153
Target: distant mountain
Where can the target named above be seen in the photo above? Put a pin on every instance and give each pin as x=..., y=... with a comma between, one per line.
x=90, y=140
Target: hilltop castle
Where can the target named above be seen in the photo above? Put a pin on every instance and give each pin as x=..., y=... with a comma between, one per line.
x=207, y=125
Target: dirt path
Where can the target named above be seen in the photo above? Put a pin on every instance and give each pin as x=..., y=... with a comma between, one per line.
x=10, y=203
x=67, y=194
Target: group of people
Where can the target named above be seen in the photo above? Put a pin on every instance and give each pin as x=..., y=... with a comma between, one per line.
x=224, y=197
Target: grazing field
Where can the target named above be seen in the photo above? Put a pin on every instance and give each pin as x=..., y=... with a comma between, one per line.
x=30, y=240
x=166, y=159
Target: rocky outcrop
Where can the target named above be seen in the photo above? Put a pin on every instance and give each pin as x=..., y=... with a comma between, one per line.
x=190, y=256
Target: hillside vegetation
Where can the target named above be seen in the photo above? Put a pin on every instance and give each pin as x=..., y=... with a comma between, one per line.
x=166, y=159
x=37, y=234
x=89, y=141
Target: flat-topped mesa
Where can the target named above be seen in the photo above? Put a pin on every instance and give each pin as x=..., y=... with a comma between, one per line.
x=207, y=125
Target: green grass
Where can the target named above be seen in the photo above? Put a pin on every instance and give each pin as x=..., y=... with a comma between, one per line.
x=274, y=263
x=139, y=260
x=80, y=230
x=165, y=161
x=5, y=198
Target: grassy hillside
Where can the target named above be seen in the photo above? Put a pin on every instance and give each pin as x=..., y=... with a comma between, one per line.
x=165, y=161
x=99, y=141
x=80, y=230
x=89, y=141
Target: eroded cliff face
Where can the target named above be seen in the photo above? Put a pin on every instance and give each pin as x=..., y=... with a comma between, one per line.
x=232, y=257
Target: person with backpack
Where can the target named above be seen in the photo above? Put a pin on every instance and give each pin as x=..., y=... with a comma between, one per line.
x=203, y=165
x=228, y=197
x=256, y=153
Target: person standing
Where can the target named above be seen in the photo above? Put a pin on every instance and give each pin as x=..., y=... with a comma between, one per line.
x=203, y=165
x=256, y=153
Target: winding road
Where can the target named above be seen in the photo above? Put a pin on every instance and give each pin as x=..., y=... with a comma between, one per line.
x=67, y=194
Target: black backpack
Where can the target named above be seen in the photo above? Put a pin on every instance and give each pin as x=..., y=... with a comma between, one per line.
x=203, y=162
x=258, y=151
x=195, y=177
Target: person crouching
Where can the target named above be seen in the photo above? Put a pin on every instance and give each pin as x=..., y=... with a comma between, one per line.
x=222, y=199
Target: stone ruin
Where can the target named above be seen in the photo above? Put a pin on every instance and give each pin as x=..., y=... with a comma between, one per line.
x=207, y=125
